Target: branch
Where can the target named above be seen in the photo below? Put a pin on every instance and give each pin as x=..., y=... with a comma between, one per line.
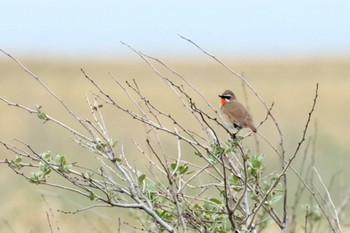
x=288, y=164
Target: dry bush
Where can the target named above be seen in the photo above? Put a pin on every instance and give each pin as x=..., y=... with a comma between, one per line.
x=225, y=188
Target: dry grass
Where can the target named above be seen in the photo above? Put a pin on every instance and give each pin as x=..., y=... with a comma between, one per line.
x=290, y=83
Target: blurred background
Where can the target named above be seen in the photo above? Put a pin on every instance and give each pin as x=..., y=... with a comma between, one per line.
x=282, y=48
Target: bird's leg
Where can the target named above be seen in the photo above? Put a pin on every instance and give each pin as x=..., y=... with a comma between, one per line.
x=234, y=135
x=237, y=129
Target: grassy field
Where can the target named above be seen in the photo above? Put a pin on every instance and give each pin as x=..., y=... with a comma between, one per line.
x=288, y=82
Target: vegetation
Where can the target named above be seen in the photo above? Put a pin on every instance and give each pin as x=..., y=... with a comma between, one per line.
x=209, y=183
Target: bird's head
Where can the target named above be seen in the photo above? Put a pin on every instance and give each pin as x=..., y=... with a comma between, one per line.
x=227, y=96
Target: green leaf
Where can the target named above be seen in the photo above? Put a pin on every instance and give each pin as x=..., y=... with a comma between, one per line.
x=183, y=169
x=141, y=178
x=212, y=158
x=160, y=214
x=315, y=214
x=111, y=193
x=256, y=163
x=245, y=157
x=18, y=159
x=229, y=150
x=42, y=116
x=198, y=154
x=114, y=142
x=151, y=194
x=91, y=196
x=43, y=166
x=98, y=147
x=234, y=179
x=38, y=177
x=215, y=201
x=88, y=175
x=46, y=155
x=34, y=180
x=60, y=160
x=172, y=166
x=16, y=164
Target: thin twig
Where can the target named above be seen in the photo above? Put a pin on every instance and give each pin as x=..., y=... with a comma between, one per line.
x=333, y=210
x=288, y=164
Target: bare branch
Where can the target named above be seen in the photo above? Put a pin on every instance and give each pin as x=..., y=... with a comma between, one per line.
x=207, y=184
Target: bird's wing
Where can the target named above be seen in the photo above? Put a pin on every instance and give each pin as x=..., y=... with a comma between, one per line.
x=236, y=113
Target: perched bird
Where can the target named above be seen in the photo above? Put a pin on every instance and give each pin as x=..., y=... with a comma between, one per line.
x=234, y=114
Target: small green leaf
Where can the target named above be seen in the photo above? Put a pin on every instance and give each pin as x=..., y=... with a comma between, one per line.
x=198, y=154
x=141, y=178
x=245, y=157
x=46, y=155
x=60, y=160
x=62, y=164
x=98, y=147
x=43, y=166
x=256, y=163
x=114, y=142
x=234, y=179
x=18, y=159
x=34, y=180
x=160, y=214
x=91, y=196
x=42, y=116
x=173, y=166
x=88, y=175
x=183, y=169
x=315, y=214
x=38, y=177
x=16, y=164
x=215, y=201
x=229, y=150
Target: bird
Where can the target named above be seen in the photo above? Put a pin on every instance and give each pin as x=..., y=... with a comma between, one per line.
x=235, y=116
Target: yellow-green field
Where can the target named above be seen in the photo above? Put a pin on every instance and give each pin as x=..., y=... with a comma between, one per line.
x=289, y=83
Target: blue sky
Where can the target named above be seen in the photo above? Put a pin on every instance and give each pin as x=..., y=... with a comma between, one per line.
x=265, y=28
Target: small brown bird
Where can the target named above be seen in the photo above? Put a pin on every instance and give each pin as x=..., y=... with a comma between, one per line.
x=234, y=114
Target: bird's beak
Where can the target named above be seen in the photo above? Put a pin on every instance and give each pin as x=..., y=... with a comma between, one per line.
x=221, y=96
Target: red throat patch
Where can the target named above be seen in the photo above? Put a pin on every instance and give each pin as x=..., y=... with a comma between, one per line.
x=223, y=101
